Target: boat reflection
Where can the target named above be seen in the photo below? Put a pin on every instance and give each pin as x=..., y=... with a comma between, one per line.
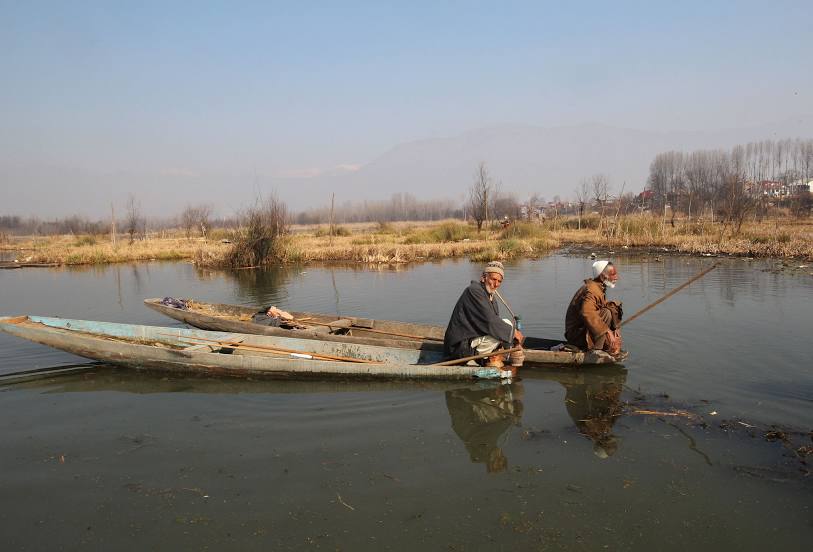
x=594, y=404
x=482, y=417
x=482, y=414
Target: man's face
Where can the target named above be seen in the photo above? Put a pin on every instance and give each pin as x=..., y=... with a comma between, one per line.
x=611, y=276
x=492, y=281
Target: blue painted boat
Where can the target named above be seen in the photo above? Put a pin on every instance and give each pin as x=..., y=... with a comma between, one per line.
x=234, y=354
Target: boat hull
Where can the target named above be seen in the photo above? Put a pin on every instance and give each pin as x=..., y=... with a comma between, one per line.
x=226, y=318
x=198, y=351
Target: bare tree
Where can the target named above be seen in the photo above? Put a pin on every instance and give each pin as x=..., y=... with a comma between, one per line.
x=582, y=195
x=600, y=188
x=188, y=218
x=481, y=193
x=204, y=215
x=134, y=222
x=532, y=206
x=196, y=218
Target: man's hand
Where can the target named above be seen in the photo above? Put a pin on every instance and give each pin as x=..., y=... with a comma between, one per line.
x=614, y=342
x=518, y=337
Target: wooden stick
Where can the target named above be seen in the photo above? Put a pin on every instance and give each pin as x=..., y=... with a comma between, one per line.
x=475, y=357
x=504, y=302
x=420, y=337
x=235, y=345
x=334, y=325
x=670, y=294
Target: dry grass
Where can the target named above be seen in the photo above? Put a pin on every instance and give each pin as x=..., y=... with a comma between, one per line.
x=770, y=238
x=394, y=243
x=73, y=250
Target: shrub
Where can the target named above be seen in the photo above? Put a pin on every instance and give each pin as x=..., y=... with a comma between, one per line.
x=485, y=255
x=523, y=231
x=385, y=228
x=589, y=222
x=323, y=231
x=261, y=227
x=84, y=240
x=446, y=232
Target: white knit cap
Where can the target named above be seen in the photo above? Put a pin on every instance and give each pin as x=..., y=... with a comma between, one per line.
x=598, y=267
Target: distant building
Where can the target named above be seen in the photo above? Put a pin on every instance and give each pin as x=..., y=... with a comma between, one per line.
x=800, y=186
x=767, y=188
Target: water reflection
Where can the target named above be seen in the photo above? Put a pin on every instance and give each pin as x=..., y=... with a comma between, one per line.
x=263, y=286
x=482, y=416
x=594, y=405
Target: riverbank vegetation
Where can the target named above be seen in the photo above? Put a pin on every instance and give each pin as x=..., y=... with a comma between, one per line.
x=753, y=200
x=263, y=241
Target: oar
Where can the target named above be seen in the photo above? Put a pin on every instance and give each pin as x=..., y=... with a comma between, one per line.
x=670, y=294
x=396, y=334
x=236, y=345
x=475, y=357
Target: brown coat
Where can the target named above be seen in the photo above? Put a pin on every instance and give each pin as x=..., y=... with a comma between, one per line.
x=584, y=323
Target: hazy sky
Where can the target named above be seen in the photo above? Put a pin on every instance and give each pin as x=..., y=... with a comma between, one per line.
x=91, y=90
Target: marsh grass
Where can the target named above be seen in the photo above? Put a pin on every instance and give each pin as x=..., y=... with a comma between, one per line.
x=323, y=231
x=442, y=233
x=402, y=242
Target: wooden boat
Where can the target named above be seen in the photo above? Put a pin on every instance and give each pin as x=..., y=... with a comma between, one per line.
x=233, y=354
x=351, y=329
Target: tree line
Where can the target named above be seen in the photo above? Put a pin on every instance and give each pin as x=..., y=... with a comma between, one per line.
x=397, y=208
x=733, y=183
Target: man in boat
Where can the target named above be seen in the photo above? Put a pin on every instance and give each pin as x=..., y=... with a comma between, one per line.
x=591, y=321
x=475, y=326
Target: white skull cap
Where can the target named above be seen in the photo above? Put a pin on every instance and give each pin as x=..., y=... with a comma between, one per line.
x=598, y=267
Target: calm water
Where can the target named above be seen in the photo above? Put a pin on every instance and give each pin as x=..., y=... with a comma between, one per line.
x=109, y=458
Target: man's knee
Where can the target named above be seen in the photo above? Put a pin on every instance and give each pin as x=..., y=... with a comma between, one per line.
x=484, y=344
x=610, y=318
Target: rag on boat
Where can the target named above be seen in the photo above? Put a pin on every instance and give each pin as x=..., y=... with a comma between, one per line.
x=182, y=304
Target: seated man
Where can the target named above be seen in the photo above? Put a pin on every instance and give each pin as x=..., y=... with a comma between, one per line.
x=591, y=321
x=475, y=326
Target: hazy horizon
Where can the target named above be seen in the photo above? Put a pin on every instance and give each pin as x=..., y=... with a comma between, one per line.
x=213, y=103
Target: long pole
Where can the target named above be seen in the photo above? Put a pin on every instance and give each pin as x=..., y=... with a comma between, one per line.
x=670, y=294
x=504, y=302
x=475, y=357
x=260, y=348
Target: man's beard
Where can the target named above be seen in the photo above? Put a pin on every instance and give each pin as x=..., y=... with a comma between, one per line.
x=609, y=284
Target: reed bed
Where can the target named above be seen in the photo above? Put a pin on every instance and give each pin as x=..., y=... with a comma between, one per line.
x=394, y=243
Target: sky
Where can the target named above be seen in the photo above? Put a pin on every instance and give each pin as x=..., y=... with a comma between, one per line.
x=230, y=97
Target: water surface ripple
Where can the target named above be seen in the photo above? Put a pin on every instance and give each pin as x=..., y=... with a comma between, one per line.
x=112, y=458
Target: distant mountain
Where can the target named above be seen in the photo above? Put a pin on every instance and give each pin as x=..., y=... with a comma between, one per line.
x=526, y=159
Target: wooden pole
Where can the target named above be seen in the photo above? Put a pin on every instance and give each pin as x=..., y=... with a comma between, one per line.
x=236, y=345
x=670, y=294
x=330, y=229
x=475, y=357
x=112, y=224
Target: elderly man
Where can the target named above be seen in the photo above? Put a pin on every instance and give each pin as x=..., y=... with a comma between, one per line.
x=475, y=326
x=591, y=321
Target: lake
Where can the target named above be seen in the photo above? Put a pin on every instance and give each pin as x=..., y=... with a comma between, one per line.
x=558, y=459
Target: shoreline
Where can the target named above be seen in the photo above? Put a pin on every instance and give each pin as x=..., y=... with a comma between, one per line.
x=401, y=243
